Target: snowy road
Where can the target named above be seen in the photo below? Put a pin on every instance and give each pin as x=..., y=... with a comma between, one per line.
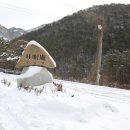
x=113, y=94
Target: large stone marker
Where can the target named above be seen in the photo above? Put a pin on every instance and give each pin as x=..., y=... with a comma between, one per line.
x=33, y=61
x=35, y=55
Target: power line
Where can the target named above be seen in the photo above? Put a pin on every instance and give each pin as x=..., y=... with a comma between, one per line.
x=29, y=11
x=68, y=5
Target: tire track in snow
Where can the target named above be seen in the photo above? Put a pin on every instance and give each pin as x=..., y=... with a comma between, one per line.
x=9, y=121
x=100, y=91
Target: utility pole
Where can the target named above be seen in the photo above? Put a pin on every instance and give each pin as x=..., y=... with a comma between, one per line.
x=99, y=53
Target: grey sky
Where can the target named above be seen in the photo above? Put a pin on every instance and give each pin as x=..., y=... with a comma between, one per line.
x=27, y=14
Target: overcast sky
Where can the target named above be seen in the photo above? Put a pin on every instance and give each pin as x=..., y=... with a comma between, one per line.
x=28, y=14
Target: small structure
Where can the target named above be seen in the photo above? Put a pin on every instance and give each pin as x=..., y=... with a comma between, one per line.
x=33, y=61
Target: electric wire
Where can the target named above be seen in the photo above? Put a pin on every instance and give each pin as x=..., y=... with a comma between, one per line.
x=29, y=11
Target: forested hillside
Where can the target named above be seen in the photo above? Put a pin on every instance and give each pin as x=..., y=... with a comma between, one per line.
x=72, y=42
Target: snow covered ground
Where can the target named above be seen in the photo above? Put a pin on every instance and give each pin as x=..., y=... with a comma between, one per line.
x=79, y=107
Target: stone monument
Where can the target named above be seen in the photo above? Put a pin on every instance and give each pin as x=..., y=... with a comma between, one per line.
x=34, y=61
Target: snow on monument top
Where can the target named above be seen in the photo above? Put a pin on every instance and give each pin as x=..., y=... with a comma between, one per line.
x=35, y=43
x=35, y=55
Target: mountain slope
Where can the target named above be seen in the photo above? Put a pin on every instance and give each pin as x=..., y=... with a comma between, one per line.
x=11, y=33
x=36, y=28
x=81, y=28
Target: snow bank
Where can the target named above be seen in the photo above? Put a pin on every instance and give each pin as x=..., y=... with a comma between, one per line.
x=85, y=110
